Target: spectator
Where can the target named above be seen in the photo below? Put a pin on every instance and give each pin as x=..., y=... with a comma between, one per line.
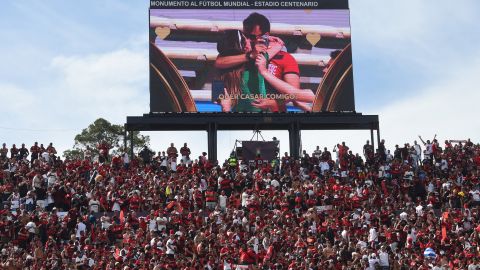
x=13, y=151
x=311, y=214
x=172, y=154
x=23, y=152
x=35, y=152
x=3, y=151
x=185, y=152
x=52, y=151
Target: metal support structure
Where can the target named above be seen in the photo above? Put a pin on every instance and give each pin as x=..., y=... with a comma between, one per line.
x=212, y=141
x=131, y=145
x=212, y=122
x=378, y=136
x=294, y=138
x=372, y=140
x=258, y=133
x=125, y=149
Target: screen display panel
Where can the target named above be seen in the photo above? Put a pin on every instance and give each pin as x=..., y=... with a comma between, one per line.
x=250, y=56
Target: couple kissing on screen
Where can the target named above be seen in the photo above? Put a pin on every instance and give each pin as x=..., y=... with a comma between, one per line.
x=257, y=75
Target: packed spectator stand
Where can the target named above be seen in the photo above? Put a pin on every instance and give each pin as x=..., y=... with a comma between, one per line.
x=415, y=208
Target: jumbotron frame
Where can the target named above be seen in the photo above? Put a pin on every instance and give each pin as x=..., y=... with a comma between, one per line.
x=294, y=122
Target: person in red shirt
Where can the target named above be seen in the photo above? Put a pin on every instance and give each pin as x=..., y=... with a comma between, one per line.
x=282, y=72
x=103, y=148
x=247, y=256
x=185, y=152
x=34, y=151
x=135, y=202
x=116, y=162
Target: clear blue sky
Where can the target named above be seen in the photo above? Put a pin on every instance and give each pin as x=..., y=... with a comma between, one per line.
x=64, y=64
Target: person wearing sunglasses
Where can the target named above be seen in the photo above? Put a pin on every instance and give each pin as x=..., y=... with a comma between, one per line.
x=248, y=45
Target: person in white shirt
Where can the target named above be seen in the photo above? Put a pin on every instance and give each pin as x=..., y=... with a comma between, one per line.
x=94, y=205
x=91, y=262
x=170, y=246
x=274, y=183
x=254, y=242
x=161, y=222
x=80, y=259
x=317, y=152
x=373, y=261
x=418, y=151
x=428, y=147
x=474, y=265
x=222, y=201
x=366, y=216
x=14, y=201
x=245, y=197
x=51, y=178
x=203, y=185
x=443, y=164
x=81, y=227
x=31, y=227
x=126, y=160
x=37, y=181
x=383, y=259
x=419, y=209
x=475, y=197
x=105, y=222
x=431, y=187
x=372, y=237
x=345, y=236
x=46, y=157
x=29, y=202
x=324, y=166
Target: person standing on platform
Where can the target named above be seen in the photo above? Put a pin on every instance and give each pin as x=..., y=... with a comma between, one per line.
x=368, y=152
x=13, y=151
x=172, y=154
x=103, y=148
x=23, y=152
x=185, y=152
x=35, y=152
x=4, y=151
x=418, y=152
x=52, y=151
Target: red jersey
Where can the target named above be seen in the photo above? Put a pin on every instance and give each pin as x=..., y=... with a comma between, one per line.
x=283, y=63
x=35, y=149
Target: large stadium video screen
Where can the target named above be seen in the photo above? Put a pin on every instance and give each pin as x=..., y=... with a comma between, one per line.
x=250, y=56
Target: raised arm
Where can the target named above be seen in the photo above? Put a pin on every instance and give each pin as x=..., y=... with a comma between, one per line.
x=224, y=62
x=420, y=137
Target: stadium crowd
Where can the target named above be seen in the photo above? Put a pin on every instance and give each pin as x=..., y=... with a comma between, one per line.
x=415, y=208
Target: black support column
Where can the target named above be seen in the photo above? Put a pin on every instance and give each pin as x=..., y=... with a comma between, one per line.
x=125, y=139
x=131, y=145
x=212, y=141
x=378, y=136
x=372, y=140
x=294, y=138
